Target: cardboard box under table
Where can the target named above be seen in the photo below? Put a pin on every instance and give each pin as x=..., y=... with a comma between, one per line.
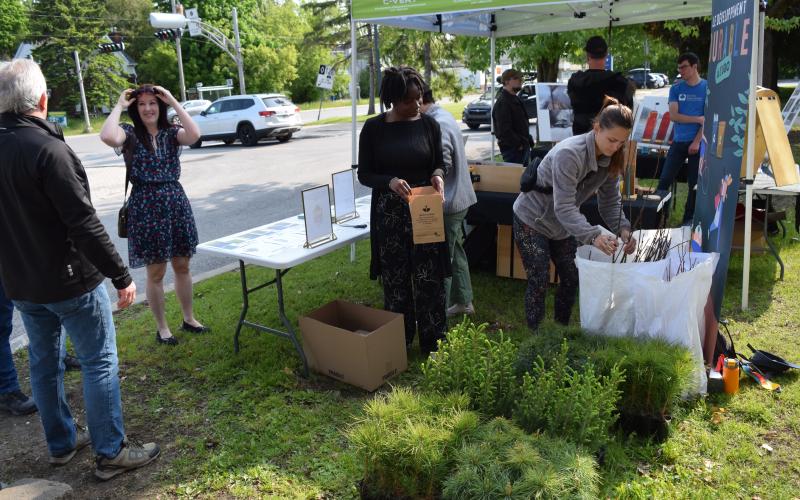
x=354, y=343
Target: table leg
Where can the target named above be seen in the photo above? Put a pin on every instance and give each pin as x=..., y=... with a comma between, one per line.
x=289, y=333
x=245, y=306
x=288, y=324
x=766, y=235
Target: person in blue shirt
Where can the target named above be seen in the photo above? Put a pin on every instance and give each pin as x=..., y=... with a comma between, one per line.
x=687, y=105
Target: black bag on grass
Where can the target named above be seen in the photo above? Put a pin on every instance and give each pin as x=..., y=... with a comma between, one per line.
x=724, y=344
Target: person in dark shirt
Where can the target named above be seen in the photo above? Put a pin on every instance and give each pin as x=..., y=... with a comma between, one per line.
x=398, y=150
x=587, y=89
x=511, y=120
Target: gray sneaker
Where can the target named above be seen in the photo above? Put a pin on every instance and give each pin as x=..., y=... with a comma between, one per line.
x=82, y=439
x=132, y=456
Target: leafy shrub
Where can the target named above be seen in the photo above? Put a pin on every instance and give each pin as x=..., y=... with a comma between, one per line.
x=472, y=363
x=575, y=404
x=406, y=441
x=502, y=461
x=657, y=373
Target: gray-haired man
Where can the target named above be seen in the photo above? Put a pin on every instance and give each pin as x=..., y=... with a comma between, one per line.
x=53, y=261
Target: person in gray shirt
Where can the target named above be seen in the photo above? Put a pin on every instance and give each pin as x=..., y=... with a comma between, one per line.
x=458, y=197
x=548, y=223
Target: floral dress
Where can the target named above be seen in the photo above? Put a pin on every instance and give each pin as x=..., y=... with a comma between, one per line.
x=160, y=220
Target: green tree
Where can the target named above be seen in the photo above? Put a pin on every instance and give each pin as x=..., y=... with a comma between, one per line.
x=13, y=26
x=72, y=25
x=158, y=64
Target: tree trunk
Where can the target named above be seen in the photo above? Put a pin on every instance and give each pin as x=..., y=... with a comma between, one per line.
x=377, y=51
x=547, y=70
x=428, y=64
x=371, y=108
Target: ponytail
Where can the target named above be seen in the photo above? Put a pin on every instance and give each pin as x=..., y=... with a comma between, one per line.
x=613, y=114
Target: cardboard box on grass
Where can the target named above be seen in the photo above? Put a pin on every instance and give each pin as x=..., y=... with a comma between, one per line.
x=353, y=343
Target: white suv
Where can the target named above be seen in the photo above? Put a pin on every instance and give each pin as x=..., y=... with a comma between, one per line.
x=248, y=118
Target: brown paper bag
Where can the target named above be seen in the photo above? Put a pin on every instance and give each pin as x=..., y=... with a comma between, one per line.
x=427, y=215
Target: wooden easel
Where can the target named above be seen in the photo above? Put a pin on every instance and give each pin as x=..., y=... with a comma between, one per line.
x=771, y=139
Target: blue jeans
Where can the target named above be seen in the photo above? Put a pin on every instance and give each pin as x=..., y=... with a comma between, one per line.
x=88, y=322
x=677, y=155
x=8, y=374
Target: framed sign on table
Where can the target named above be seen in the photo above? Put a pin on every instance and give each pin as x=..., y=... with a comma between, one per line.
x=344, y=196
x=317, y=216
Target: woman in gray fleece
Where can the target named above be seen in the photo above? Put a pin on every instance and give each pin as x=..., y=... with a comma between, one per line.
x=548, y=223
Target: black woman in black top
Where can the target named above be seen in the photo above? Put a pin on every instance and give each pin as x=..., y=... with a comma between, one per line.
x=398, y=150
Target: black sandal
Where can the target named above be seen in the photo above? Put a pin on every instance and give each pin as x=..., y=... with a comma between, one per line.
x=169, y=340
x=186, y=327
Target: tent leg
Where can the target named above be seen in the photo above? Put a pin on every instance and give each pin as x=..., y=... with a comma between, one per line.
x=353, y=96
x=755, y=66
x=492, y=72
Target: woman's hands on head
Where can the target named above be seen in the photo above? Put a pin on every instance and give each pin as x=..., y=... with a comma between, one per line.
x=125, y=99
x=166, y=96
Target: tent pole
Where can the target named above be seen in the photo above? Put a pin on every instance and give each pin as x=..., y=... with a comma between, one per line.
x=492, y=72
x=755, y=65
x=353, y=96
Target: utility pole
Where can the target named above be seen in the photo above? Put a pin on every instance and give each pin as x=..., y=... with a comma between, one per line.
x=88, y=127
x=239, y=61
x=181, y=81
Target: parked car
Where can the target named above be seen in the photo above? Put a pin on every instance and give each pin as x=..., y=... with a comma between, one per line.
x=479, y=111
x=661, y=79
x=249, y=118
x=638, y=76
x=193, y=107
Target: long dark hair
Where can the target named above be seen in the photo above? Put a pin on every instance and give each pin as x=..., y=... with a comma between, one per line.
x=395, y=83
x=133, y=111
x=613, y=114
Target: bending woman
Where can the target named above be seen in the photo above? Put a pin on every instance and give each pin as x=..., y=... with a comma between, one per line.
x=161, y=225
x=548, y=223
x=398, y=150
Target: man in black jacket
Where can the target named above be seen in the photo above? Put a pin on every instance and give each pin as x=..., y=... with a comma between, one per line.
x=587, y=89
x=54, y=258
x=511, y=119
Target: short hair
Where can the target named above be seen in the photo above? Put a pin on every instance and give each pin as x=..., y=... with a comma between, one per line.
x=395, y=83
x=691, y=57
x=510, y=74
x=21, y=86
x=596, y=47
x=427, y=95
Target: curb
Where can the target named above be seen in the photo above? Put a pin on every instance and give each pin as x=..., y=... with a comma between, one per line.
x=21, y=341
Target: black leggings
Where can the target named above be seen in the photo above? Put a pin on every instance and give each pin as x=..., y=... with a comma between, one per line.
x=413, y=279
x=537, y=251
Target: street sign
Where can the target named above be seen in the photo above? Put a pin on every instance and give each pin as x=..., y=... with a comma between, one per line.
x=325, y=77
x=193, y=17
x=229, y=82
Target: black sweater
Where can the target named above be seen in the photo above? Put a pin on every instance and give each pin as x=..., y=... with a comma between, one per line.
x=54, y=247
x=511, y=125
x=587, y=89
x=409, y=150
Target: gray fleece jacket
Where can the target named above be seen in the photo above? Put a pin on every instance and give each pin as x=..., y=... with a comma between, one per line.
x=458, y=192
x=575, y=174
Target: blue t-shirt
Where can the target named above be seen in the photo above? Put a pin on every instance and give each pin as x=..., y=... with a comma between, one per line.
x=692, y=102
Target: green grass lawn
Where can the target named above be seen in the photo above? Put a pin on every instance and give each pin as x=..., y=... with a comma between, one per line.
x=247, y=426
x=306, y=106
x=76, y=125
x=454, y=108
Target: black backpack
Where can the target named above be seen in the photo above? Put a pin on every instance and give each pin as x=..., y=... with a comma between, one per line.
x=724, y=344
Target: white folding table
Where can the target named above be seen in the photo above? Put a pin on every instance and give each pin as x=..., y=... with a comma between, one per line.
x=279, y=246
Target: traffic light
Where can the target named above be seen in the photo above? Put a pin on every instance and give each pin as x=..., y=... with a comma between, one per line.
x=111, y=47
x=166, y=35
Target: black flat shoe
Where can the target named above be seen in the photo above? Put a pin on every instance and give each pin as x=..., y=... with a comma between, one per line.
x=169, y=340
x=186, y=327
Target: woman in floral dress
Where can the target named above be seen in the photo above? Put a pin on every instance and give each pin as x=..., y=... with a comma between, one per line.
x=161, y=226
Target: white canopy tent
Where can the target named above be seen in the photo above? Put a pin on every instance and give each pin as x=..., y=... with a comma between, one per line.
x=502, y=18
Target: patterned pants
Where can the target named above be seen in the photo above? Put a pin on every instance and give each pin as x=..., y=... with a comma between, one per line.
x=413, y=281
x=537, y=251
